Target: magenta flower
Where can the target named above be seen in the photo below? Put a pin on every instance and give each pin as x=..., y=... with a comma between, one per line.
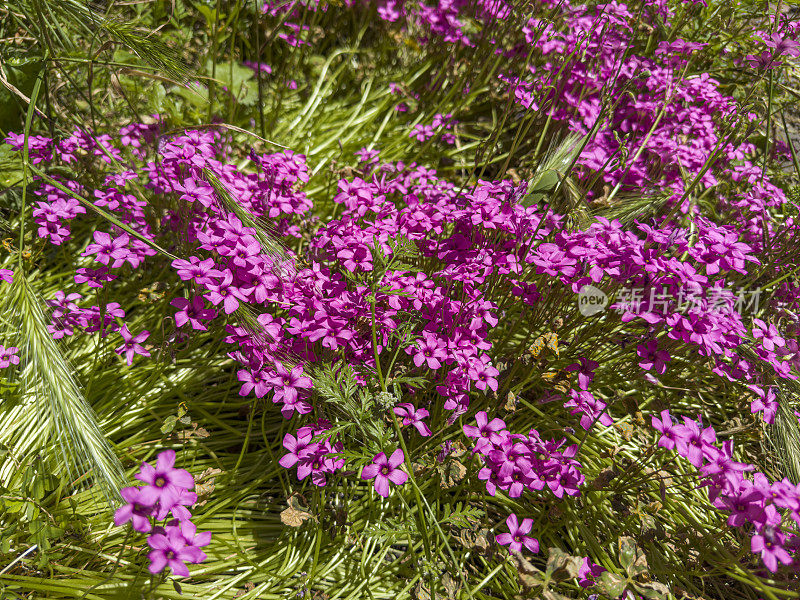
x=587, y=573
x=413, y=416
x=132, y=344
x=430, y=350
x=723, y=466
x=178, y=508
x=196, y=190
x=384, y=470
x=201, y=271
x=486, y=432
x=297, y=447
x=516, y=538
x=171, y=550
x=669, y=433
x=766, y=403
x=107, y=248
x=590, y=408
x=192, y=312
x=695, y=443
x=8, y=357
x=94, y=277
x=769, y=335
x=135, y=511
x=7, y=275
x=225, y=293
x=253, y=381
x=769, y=543
x=653, y=358
x=585, y=371
x=189, y=533
x=744, y=501
x=782, y=46
x=164, y=481
x=288, y=382
x=483, y=374
x=421, y=132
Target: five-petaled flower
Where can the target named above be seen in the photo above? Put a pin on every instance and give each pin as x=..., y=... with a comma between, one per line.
x=164, y=481
x=413, y=416
x=516, y=537
x=132, y=344
x=171, y=550
x=8, y=356
x=383, y=470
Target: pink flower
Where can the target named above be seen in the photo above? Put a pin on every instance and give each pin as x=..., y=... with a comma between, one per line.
x=413, y=416
x=189, y=533
x=297, y=447
x=769, y=543
x=192, y=312
x=769, y=334
x=585, y=371
x=135, y=510
x=766, y=403
x=587, y=573
x=384, y=470
x=201, y=271
x=8, y=357
x=669, y=433
x=430, y=351
x=421, y=132
x=652, y=358
x=164, y=481
x=288, y=382
x=516, y=538
x=226, y=293
x=171, y=550
x=483, y=374
x=107, y=248
x=486, y=432
x=132, y=344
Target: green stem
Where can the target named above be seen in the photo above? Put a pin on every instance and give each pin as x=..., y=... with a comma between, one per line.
x=26, y=163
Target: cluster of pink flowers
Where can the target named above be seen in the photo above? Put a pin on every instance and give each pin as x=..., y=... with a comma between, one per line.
x=515, y=462
x=479, y=240
x=164, y=498
x=442, y=123
x=67, y=318
x=758, y=503
x=660, y=126
x=315, y=458
x=487, y=254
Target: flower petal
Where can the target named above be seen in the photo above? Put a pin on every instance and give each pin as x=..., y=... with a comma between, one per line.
x=397, y=458
x=382, y=486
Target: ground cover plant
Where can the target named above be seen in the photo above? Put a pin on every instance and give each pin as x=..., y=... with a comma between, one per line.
x=399, y=300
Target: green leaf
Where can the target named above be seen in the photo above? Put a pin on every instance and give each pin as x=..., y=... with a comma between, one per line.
x=10, y=164
x=627, y=552
x=195, y=94
x=655, y=590
x=169, y=424
x=22, y=74
x=238, y=79
x=209, y=13
x=611, y=585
